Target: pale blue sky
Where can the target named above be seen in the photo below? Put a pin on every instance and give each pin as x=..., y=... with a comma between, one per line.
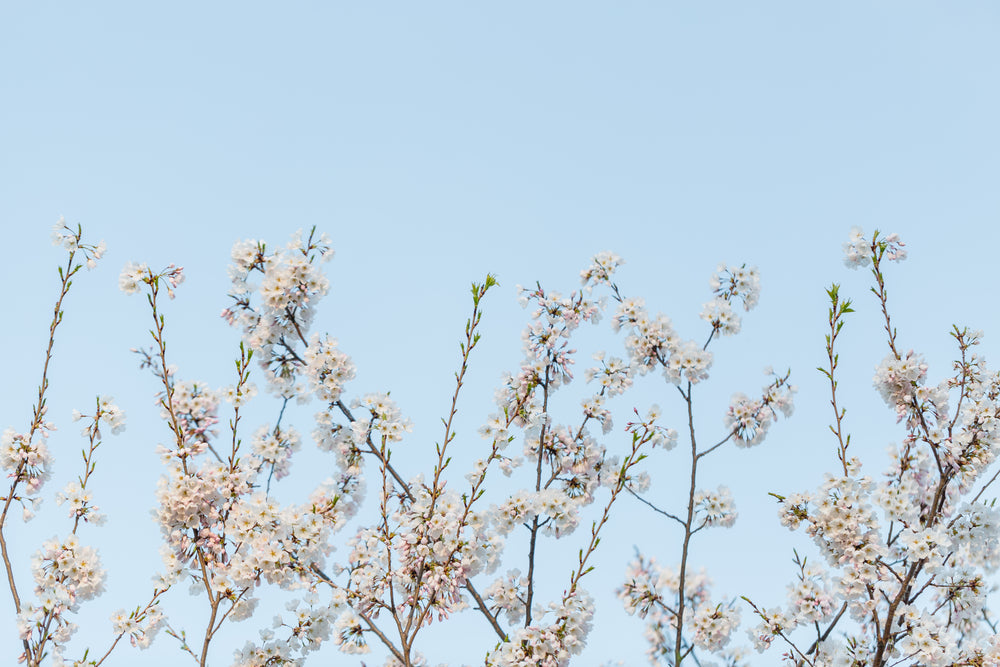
x=438, y=141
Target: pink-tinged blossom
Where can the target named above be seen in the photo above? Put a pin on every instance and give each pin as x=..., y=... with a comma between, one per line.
x=29, y=462
x=897, y=379
x=794, y=509
x=107, y=413
x=749, y=419
x=301, y=632
x=924, y=544
x=593, y=407
x=72, y=240
x=651, y=592
x=774, y=623
x=613, y=375
x=495, y=431
x=715, y=508
x=195, y=407
x=557, y=636
x=858, y=250
x=66, y=573
x=810, y=599
x=648, y=340
x=132, y=277
x=383, y=416
x=719, y=313
x=925, y=638
x=602, y=268
x=140, y=626
x=730, y=285
x=327, y=369
x=712, y=625
x=975, y=536
x=348, y=634
x=737, y=283
x=548, y=357
x=80, y=502
x=508, y=594
x=239, y=396
x=690, y=362
x=275, y=448
x=292, y=284
x=843, y=522
x=659, y=436
x=577, y=460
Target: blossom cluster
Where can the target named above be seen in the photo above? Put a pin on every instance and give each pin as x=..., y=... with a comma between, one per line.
x=27, y=459
x=651, y=591
x=66, y=573
x=905, y=556
x=72, y=240
x=292, y=284
x=549, y=644
x=729, y=285
x=681, y=621
x=750, y=418
x=897, y=548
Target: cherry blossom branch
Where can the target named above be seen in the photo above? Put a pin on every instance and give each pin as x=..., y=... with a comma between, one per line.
x=173, y=276
x=821, y=638
x=595, y=529
x=878, y=252
x=182, y=638
x=371, y=625
x=239, y=395
x=538, y=487
x=38, y=414
x=136, y=615
x=472, y=338
x=837, y=310
x=403, y=485
x=167, y=402
x=687, y=529
x=803, y=657
x=654, y=507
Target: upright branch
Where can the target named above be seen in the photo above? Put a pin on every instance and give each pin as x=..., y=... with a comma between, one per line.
x=885, y=248
x=27, y=451
x=688, y=532
x=189, y=438
x=418, y=616
x=676, y=602
x=25, y=455
x=533, y=529
x=837, y=311
x=913, y=581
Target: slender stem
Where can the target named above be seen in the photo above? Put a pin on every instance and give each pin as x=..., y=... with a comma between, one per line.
x=595, y=529
x=720, y=443
x=883, y=297
x=214, y=602
x=654, y=507
x=374, y=450
x=38, y=414
x=88, y=456
x=687, y=531
x=371, y=625
x=471, y=340
x=837, y=311
x=157, y=592
x=486, y=612
x=538, y=487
